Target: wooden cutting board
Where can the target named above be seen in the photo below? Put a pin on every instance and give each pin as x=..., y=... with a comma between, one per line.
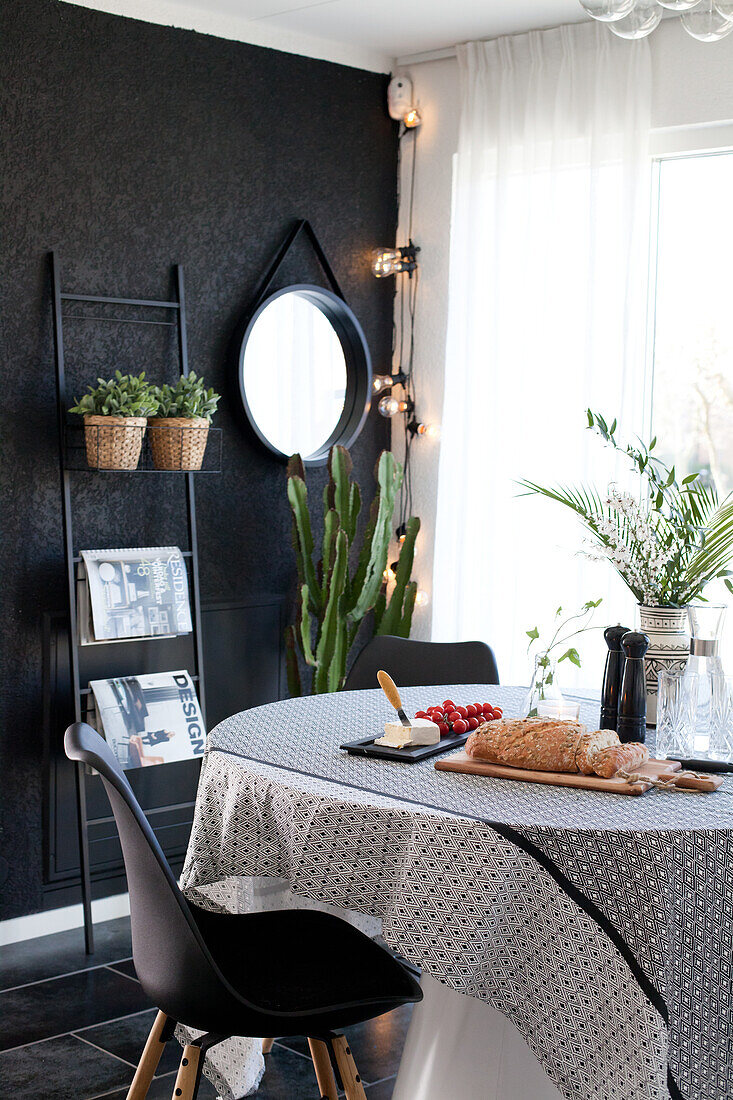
x=466, y=765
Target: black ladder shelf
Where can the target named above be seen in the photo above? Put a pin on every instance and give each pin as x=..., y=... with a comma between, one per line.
x=178, y=306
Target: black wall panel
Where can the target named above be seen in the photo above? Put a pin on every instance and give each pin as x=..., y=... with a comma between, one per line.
x=129, y=147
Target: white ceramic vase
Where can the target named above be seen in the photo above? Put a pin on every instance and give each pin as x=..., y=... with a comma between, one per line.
x=669, y=648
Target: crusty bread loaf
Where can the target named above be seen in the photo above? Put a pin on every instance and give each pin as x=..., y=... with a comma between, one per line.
x=589, y=745
x=542, y=744
x=553, y=745
x=615, y=758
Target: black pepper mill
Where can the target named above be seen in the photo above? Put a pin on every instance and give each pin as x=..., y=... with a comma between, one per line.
x=631, y=723
x=612, y=676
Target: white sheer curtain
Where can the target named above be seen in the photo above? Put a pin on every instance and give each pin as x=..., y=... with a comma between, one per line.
x=548, y=308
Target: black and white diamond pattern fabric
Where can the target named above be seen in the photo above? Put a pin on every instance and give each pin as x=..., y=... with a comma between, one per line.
x=600, y=925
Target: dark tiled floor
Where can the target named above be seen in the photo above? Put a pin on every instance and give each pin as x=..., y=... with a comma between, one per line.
x=74, y=1031
x=126, y=1038
x=59, y=1005
x=33, y=960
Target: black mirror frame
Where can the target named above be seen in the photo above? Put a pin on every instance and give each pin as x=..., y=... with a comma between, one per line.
x=357, y=400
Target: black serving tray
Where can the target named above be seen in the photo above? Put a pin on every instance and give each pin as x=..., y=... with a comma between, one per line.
x=411, y=754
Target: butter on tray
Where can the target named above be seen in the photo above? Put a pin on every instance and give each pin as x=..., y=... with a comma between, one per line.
x=421, y=731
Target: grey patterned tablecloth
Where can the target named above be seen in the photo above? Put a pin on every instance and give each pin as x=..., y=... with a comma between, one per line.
x=601, y=925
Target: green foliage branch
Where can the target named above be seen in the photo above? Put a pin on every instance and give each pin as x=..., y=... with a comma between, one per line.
x=668, y=545
x=545, y=661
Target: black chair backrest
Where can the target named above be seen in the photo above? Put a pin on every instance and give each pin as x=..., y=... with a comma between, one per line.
x=174, y=965
x=412, y=663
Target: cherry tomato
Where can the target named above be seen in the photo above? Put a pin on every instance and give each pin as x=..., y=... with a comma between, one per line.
x=421, y=714
x=498, y=712
x=460, y=726
x=448, y=705
x=462, y=711
x=471, y=710
x=479, y=708
x=444, y=728
x=487, y=708
x=473, y=722
x=453, y=717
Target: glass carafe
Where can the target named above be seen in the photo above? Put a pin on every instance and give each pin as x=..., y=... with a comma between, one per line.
x=706, y=627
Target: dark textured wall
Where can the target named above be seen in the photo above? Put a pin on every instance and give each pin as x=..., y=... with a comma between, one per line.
x=128, y=147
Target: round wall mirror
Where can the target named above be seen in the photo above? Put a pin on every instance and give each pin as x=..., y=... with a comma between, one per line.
x=304, y=373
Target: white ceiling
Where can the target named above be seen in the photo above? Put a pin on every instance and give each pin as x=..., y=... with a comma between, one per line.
x=399, y=28
x=370, y=33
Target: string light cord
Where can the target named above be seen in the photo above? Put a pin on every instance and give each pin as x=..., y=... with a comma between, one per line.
x=408, y=296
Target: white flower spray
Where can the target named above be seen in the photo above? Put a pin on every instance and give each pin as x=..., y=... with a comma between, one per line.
x=637, y=543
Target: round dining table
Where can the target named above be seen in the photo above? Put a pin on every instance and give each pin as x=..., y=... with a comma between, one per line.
x=573, y=943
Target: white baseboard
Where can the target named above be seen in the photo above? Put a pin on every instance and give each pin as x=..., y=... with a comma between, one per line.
x=60, y=920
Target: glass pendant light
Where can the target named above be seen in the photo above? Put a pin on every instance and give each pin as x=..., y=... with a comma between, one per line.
x=608, y=11
x=706, y=23
x=725, y=7
x=678, y=5
x=643, y=18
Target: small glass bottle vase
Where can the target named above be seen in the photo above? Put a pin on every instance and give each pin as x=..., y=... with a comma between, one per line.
x=706, y=682
x=543, y=688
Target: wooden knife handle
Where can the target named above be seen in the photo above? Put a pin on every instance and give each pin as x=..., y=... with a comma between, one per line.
x=389, y=688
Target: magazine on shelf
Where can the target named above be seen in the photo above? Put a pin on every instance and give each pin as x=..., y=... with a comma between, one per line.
x=139, y=592
x=151, y=719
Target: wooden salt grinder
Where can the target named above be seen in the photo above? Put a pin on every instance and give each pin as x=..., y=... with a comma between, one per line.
x=631, y=722
x=612, y=676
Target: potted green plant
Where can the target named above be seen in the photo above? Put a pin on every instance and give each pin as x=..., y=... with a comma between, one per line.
x=667, y=544
x=116, y=415
x=178, y=434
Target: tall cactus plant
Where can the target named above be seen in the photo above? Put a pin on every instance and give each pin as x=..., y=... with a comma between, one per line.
x=333, y=602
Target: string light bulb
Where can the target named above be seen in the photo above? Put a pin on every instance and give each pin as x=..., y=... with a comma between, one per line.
x=412, y=119
x=388, y=575
x=401, y=533
x=421, y=598
x=418, y=427
x=394, y=261
x=391, y=406
x=385, y=381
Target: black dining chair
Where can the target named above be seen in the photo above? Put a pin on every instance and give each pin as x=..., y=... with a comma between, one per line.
x=412, y=663
x=287, y=972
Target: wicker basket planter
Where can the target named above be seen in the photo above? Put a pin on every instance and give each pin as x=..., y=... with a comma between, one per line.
x=114, y=442
x=178, y=442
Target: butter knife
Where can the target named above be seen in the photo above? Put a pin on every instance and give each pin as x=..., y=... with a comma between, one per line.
x=389, y=688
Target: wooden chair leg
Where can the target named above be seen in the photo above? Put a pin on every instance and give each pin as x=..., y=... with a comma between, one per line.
x=347, y=1068
x=267, y=1045
x=149, y=1061
x=324, y=1069
x=187, y=1078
